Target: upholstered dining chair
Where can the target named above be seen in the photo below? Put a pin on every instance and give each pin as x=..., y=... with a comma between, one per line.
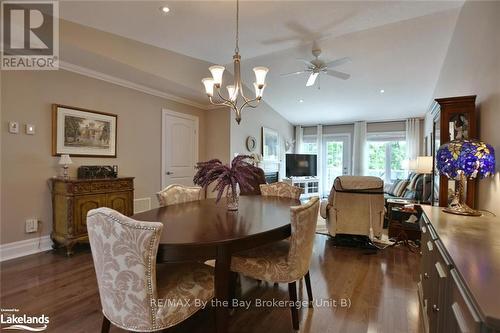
x=281, y=189
x=136, y=294
x=286, y=261
x=176, y=194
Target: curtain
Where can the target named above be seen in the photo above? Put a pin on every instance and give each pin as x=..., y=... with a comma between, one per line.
x=319, y=144
x=412, y=138
x=299, y=133
x=359, y=155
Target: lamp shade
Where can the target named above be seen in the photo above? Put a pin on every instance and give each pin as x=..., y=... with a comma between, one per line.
x=466, y=157
x=65, y=159
x=217, y=72
x=208, y=82
x=260, y=75
x=424, y=164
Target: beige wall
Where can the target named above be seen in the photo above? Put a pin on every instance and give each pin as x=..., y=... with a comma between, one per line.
x=27, y=163
x=217, y=138
x=251, y=125
x=472, y=67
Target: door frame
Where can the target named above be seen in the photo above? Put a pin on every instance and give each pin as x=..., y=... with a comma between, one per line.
x=346, y=159
x=164, y=113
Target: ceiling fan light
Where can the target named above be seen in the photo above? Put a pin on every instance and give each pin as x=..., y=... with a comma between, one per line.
x=260, y=74
x=208, y=82
x=217, y=72
x=231, y=90
x=311, y=79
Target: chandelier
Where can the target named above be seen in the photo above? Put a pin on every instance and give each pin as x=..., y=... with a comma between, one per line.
x=235, y=90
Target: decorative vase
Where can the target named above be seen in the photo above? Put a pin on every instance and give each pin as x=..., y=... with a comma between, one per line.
x=233, y=198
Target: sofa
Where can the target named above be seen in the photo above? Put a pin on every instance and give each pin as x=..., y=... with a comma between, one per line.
x=411, y=188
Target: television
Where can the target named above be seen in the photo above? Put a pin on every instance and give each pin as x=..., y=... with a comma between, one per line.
x=301, y=165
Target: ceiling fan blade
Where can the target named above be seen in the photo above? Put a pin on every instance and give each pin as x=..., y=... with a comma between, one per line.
x=340, y=75
x=280, y=40
x=306, y=62
x=311, y=79
x=338, y=62
x=293, y=73
x=300, y=29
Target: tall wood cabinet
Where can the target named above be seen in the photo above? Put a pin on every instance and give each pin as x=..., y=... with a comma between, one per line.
x=454, y=118
x=73, y=198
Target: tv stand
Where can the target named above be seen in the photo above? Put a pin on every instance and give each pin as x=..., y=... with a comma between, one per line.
x=309, y=184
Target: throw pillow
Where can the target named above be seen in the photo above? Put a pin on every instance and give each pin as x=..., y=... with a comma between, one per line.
x=400, y=189
x=413, y=181
x=392, y=190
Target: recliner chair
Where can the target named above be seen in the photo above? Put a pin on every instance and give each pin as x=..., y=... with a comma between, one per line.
x=355, y=206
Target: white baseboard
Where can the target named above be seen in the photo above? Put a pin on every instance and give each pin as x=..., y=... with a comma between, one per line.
x=25, y=247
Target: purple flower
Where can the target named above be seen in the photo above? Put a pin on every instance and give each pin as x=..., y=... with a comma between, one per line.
x=238, y=172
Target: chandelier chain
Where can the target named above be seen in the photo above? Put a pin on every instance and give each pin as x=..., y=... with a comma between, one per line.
x=237, y=49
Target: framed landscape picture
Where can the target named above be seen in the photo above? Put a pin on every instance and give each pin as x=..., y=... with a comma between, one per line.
x=270, y=144
x=81, y=132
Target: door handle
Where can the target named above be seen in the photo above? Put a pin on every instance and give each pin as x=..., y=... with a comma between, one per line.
x=169, y=173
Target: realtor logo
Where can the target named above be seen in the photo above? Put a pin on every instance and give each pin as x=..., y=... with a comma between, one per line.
x=30, y=35
x=12, y=319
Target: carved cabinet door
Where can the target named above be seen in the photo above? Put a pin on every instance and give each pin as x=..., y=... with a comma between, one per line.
x=121, y=202
x=84, y=203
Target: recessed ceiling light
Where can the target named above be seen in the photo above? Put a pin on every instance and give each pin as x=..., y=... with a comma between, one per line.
x=164, y=9
x=382, y=91
x=301, y=101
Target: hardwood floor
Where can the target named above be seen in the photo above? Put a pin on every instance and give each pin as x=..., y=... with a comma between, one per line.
x=381, y=288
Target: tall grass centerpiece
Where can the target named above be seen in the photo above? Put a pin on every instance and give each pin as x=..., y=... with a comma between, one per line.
x=228, y=178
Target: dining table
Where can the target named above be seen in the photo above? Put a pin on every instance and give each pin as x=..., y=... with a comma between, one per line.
x=204, y=229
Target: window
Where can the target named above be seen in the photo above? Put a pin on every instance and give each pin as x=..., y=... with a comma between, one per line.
x=309, y=145
x=386, y=153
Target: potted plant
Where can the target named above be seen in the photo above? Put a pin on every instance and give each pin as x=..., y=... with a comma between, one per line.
x=228, y=177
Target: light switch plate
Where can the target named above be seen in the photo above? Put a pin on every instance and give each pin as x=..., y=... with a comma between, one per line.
x=13, y=127
x=31, y=225
x=30, y=129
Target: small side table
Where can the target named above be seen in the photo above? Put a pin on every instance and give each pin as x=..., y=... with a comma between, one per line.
x=399, y=228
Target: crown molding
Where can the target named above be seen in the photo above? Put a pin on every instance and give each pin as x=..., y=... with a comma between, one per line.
x=129, y=84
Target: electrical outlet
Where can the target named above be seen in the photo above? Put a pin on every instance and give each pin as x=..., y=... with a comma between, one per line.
x=31, y=225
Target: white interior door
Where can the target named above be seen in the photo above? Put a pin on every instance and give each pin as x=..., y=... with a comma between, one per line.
x=336, y=158
x=179, y=148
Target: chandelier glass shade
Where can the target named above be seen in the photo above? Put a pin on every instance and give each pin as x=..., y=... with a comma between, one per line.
x=236, y=99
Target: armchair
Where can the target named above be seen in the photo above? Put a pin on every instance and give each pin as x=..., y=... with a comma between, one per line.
x=355, y=206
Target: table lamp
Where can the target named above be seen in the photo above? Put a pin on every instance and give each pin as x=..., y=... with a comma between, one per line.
x=461, y=160
x=65, y=160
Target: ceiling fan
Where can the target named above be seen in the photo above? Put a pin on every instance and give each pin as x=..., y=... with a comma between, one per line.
x=317, y=66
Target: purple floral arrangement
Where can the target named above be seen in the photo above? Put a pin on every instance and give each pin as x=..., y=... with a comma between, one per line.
x=470, y=157
x=226, y=175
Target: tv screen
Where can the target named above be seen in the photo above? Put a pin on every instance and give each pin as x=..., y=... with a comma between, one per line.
x=301, y=165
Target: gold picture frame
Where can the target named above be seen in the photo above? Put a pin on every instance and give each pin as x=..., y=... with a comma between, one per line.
x=83, y=132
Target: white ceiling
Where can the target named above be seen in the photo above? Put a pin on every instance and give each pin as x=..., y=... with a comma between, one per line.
x=397, y=46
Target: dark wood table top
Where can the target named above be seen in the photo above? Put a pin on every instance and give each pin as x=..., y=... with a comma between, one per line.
x=473, y=244
x=205, y=222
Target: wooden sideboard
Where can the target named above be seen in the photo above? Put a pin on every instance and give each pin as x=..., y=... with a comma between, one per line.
x=73, y=198
x=460, y=272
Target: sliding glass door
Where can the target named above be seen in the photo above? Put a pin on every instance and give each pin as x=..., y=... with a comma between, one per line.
x=336, y=158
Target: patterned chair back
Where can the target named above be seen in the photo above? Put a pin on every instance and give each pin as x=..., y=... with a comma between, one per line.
x=281, y=189
x=124, y=253
x=176, y=194
x=303, y=220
